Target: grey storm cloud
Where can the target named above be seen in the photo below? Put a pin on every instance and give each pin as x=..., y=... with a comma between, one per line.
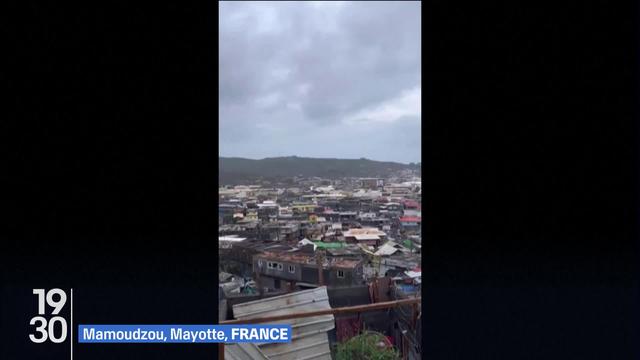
x=320, y=79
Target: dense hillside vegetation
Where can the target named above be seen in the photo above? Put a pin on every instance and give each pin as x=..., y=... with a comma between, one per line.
x=239, y=170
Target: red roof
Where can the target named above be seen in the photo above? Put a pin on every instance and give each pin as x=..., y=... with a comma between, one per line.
x=411, y=203
x=410, y=219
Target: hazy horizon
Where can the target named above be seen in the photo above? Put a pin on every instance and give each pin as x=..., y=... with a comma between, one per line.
x=320, y=79
x=314, y=157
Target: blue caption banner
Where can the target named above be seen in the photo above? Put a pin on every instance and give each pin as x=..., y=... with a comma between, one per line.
x=184, y=333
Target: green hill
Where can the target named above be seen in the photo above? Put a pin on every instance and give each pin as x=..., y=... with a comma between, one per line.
x=239, y=170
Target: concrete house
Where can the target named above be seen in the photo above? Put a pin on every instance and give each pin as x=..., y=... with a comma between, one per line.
x=282, y=270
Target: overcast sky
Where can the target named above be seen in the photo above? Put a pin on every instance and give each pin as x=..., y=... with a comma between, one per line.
x=320, y=79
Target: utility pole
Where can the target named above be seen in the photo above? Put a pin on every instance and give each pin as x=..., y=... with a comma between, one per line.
x=256, y=275
x=320, y=261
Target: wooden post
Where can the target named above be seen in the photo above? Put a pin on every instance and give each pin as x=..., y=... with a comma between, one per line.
x=256, y=275
x=405, y=346
x=414, y=317
x=319, y=263
x=221, y=351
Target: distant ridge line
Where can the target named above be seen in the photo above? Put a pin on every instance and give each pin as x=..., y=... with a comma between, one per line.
x=238, y=170
x=307, y=158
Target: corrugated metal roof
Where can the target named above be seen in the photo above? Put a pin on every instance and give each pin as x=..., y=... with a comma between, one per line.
x=329, y=245
x=386, y=249
x=367, y=237
x=231, y=238
x=309, y=335
x=243, y=351
x=306, y=241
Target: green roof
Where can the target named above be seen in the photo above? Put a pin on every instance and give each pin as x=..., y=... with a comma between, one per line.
x=328, y=245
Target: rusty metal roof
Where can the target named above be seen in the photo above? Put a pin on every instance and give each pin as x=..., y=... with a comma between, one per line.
x=288, y=257
x=299, y=258
x=345, y=263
